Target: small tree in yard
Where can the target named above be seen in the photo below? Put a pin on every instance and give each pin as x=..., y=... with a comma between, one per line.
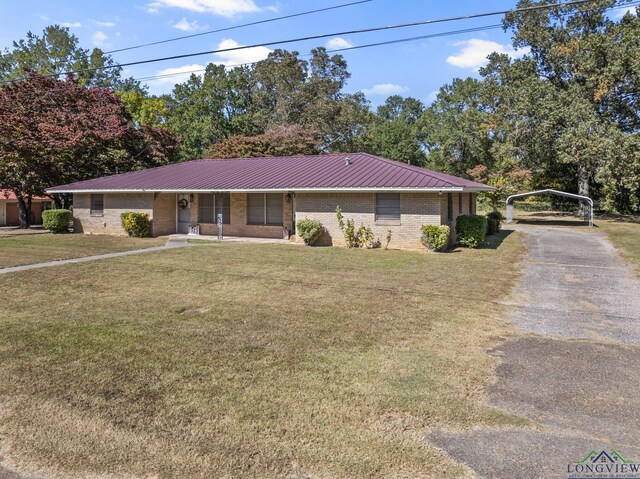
x=56, y=132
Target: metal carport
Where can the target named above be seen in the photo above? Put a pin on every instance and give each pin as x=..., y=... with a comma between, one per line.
x=548, y=191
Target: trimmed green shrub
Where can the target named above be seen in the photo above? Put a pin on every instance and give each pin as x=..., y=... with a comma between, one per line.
x=57, y=221
x=435, y=238
x=310, y=230
x=493, y=226
x=497, y=216
x=136, y=224
x=471, y=230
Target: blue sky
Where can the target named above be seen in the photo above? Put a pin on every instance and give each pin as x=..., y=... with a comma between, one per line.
x=416, y=68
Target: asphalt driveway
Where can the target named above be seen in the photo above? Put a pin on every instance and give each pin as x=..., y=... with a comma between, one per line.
x=573, y=372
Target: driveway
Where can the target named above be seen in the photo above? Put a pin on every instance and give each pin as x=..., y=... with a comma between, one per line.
x=574, y=372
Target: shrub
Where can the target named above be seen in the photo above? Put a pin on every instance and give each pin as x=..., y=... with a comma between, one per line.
x=435, y=238
x=497, y=216
x=310, y=230
x=361, y=238
x=471, y=230
x=388, y=238
x=136, y=224
x=56, y=221
x=493, y=226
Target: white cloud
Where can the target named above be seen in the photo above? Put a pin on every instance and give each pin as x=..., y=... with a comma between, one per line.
x=621, y=12
x=179, y=74
x=237, y=57
x=385, y=89
x=187, y=26
x=104, y=24
x=338, y=43
x=474, y=52
x=100, y=39
x=71, y=24
x=223, y=8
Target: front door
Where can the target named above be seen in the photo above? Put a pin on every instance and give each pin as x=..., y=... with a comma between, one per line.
x=184, y=213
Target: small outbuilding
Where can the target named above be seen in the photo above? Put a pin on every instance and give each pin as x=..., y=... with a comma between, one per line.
x=9, y=213
x=264, y=197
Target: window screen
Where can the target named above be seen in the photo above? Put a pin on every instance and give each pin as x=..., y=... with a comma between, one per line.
x=255, y=208
x=450, y=206
x=460, y=203
x=388, y=207
x=206, y=208
x=274, y=209
x=470, y=203
x=97, y=204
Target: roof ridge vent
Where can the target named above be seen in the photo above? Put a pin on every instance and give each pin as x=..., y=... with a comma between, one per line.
x=347, y=161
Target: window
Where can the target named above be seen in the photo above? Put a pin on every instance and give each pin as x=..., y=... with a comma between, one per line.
x=470, y=203
x=97, y=205
x=388, y=207
x=459, y=203
x=265, y=209
x=209, y=204
x=450, y=206
x=46, y=205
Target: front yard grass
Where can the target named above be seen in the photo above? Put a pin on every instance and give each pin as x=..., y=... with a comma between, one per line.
x=238, y=360
x=38, y=248
x=625, y=236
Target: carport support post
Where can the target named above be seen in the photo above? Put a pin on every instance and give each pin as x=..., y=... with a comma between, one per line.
x=509, y=212
x=219, y=216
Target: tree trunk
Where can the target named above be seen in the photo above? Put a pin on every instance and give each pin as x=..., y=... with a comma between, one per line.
x=583, y=189
x=24, y=209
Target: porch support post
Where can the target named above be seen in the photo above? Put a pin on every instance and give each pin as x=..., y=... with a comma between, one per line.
x=219, y=216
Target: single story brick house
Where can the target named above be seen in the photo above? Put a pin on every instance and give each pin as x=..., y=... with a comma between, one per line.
x=264, y=197
x=9, y=213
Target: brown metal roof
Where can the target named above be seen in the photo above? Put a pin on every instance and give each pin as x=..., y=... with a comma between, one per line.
x=326, y=172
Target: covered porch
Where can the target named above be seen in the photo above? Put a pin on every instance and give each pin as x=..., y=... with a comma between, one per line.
x=256, y=215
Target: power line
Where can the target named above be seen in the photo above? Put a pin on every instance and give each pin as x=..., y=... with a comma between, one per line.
x=337, y=50
x=368, y=45
x=321, y=36
x=294, y=15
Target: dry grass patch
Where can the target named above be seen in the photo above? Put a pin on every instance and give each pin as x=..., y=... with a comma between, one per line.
x=38, y=248
x=625, y=235
x=310, y=362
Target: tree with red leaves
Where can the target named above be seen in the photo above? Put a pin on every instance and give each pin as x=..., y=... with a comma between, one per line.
x=55, y=132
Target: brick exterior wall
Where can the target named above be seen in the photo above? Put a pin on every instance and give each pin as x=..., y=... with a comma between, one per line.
x=416, y=209
x=164, y=214
x=114, y=205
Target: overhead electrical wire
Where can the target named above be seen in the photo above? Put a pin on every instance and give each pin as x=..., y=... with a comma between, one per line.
x=235, y=27
x=317, y=37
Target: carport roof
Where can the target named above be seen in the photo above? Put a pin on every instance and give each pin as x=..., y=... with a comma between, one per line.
x=330, y=172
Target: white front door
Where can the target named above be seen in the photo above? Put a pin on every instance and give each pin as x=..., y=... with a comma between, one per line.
x=3, y=213
x=184, y=213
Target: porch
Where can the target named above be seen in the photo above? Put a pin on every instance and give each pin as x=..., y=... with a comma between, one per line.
x=252, y=215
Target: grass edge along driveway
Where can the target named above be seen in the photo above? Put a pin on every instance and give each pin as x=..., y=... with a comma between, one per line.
x=251, y=361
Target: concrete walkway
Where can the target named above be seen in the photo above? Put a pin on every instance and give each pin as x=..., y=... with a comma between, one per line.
x=574, y=372
x=171, y=243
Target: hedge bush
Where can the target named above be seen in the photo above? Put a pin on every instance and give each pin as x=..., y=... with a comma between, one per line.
x=435, y=238
x=471, y=230
x=57, y=221
x=493, y=226
x=136, y=224
x=497, y=216
x=310, y=230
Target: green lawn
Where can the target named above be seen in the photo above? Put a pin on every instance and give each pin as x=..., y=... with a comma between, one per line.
x=237, y=360
x=37, y=248
x=625, y=236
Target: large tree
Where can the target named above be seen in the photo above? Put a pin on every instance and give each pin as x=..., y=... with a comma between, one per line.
x=58, y=131
x=57, y=51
